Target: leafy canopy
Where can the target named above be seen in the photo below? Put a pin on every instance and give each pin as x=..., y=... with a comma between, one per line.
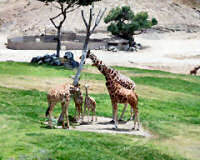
x=124, y=22
x=76, y=2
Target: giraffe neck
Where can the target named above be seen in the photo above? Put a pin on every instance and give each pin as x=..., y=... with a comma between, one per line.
x=111, y=74
x=86, y=92
x=105, y=70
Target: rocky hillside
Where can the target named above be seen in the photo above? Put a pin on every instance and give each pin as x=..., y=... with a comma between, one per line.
x=32, y=17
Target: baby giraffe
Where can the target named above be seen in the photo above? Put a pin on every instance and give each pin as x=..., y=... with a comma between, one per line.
x=90, y=104
x=78, y=100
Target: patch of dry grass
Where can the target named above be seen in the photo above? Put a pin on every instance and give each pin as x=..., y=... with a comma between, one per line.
x=44, y=84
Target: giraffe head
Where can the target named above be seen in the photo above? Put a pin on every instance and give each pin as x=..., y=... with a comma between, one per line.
x=86, y=86
x=75, y=90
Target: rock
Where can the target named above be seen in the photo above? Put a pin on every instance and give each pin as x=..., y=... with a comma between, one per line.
x=47, y=60
x=53, y=55
x=56, y=62
x=46, y=56
x=69, y=56
x=36, y=59
x=40, y=62
x=112, y=48
x=54, y=58
x=132, y=49
x=74, y=64
x=71, y=63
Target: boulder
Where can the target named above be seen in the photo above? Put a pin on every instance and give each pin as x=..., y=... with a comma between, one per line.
x=55, y=61
x=112, y=48
x=69, y=56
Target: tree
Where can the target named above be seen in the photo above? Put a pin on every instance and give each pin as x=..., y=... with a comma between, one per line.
x=65, y=6
x=124, y=23
x=89, y=32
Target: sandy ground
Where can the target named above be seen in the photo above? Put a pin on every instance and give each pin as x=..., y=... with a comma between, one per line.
x=103, y=125
x=173, y=52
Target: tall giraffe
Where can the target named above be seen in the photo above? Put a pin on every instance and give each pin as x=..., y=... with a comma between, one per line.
x=119, y=94
x=113, y=76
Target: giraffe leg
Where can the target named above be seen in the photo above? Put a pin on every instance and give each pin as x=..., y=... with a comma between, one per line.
x=79, y=111
x=84, y=111
x=50, y=113
x=115, y=115
x=112, y=121
x=63, y=113
x=124, y=110
x=95, y=114
x=88, y=113
x=75, y=115
x=138, y=121
x=66, y=113
x=131, y=118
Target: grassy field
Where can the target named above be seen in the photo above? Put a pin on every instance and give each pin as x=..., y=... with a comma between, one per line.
x=169, y=107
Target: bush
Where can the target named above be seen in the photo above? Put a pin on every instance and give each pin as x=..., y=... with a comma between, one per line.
x=124, y=23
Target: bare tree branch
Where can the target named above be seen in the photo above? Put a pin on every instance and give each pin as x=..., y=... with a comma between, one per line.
x=87, y=38
x=54, y=5
x=98, y=16
x=84, y=20
x=98, y=19
x=73, y=9
x=51, y=19
x=90, y=20
x=61, y=6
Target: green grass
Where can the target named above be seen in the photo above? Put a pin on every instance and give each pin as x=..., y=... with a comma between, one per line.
x=170, y=109
x=170, y=84
x=26, y=69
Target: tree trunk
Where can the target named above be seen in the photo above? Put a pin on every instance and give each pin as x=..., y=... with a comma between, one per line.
x=131, y=42
x=76, y=79
x=85, y=48
x=58, y=42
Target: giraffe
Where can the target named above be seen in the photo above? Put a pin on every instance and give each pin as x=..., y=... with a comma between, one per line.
x=61, y=93
x=115, y=76
x=90, y=104
x=194, y=71
x=119, y=94
x=78, y=100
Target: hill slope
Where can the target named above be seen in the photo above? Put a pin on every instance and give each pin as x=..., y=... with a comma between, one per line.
x=34, y=18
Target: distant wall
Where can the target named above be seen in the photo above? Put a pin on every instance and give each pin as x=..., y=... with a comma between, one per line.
x=49, y=43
